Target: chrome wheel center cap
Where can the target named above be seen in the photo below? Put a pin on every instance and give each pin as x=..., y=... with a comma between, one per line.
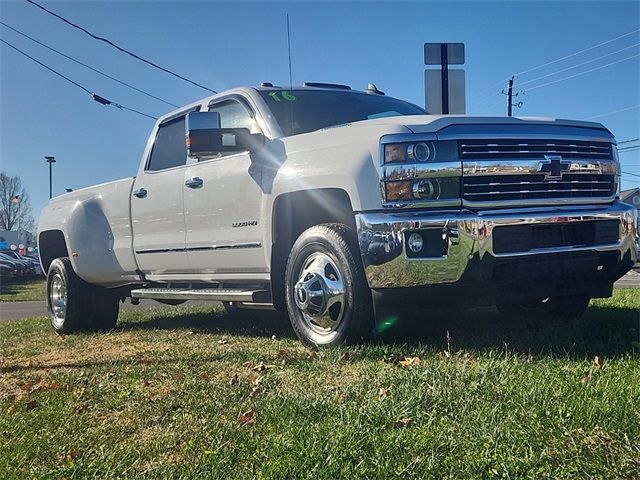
x=319, y=293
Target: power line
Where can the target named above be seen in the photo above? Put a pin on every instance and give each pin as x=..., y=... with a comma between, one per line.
x=95, y=96
x=87, y=66
x=629, y=149
x=633, y=140
x=583, y=73
x=501, y=82
x=117, y=47
x=614, y=111
x=574, y=54
x=578, y=65
x=632, y=174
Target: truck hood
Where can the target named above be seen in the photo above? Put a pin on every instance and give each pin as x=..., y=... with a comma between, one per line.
x=434, y=123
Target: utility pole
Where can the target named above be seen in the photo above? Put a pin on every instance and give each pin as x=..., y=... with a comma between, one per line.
x=50, y=161
x=510, y=95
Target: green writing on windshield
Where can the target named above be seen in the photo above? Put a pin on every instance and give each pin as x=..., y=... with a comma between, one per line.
x=279, y=96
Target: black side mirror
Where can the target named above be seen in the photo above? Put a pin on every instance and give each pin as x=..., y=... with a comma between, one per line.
x=205, y=138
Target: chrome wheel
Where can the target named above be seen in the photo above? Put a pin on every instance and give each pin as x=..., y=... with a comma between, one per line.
x=320, y=293
x=58, y=300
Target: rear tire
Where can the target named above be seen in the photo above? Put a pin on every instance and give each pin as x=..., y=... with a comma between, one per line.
x=568, y=307
x=104, y=310
x=328, y=299
x=75, y=305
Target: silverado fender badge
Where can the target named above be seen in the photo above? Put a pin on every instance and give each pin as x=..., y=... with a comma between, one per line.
x=247, y=223
x=553, y=167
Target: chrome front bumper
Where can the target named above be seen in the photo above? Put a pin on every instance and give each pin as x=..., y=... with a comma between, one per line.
x=468, y=238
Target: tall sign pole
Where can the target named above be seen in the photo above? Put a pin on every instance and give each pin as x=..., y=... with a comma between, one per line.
x=444, y=77
x=50, y=161
x=443, y=87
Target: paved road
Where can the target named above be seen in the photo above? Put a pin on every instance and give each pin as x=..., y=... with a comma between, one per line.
x=17, y=310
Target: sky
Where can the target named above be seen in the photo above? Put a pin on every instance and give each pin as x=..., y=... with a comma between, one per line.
x=227, y=44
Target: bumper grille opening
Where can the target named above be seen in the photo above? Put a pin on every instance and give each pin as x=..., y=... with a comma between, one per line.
x=524, y=238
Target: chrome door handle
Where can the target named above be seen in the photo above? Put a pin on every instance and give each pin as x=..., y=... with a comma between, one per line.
x=195, y=182
x=140, y=193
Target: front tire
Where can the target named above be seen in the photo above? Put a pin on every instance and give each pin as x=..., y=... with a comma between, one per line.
x=328, y=299
x=74, y=305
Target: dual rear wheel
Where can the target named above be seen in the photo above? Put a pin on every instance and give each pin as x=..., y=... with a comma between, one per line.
x=75, y=305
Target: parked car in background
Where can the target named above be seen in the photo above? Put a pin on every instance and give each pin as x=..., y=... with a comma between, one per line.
x=26, y=265
x=7, y=269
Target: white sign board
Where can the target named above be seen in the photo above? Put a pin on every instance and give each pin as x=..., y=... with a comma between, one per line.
x=433, y=53
x=433, y=91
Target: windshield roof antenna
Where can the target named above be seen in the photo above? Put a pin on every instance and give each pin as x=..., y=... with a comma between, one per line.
x=290, y=76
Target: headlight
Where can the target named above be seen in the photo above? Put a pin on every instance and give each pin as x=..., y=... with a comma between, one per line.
x=420, y=152
x=447, y=188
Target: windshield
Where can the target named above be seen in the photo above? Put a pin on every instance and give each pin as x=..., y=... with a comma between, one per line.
x=302, y=111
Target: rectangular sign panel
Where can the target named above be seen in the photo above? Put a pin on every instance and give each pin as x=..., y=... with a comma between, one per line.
x=433, y=53
x=433, y=91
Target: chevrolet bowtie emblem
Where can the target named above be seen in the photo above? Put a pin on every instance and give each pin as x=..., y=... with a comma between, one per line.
x=553, y=167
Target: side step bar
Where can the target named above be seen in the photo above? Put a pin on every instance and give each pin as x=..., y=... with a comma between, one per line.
x=212, y=294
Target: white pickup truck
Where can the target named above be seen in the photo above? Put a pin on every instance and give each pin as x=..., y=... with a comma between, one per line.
x=334, y=205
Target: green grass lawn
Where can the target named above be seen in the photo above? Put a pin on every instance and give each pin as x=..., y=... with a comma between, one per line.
x=190, y=392
x=22, y=289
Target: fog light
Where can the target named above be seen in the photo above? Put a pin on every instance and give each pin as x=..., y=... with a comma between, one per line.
x=415, y=242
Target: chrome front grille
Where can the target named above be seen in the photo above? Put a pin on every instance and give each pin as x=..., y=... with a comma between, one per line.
x=533, y=149
x=496, y=188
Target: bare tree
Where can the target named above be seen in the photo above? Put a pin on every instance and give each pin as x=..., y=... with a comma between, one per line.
x=15, y=207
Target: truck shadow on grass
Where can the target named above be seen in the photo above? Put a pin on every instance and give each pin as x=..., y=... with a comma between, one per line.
x=604, y=331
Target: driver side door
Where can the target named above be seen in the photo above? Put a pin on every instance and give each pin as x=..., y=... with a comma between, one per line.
x=223, y=204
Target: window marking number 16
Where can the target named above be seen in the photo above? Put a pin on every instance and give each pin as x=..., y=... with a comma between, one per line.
x=289, y=97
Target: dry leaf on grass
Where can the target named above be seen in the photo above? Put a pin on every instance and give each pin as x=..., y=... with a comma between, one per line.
x=81, y=408
x=409, y=361
x=283, y=356
x=223, y=341
x=312, y=356
x=11, y=409
x=469, y=358
x=254, y=391
x=254, y=380
x=234, y=380
x=597, y=362
x=248, y=417
x=71, y=455
x=402, y=361
x=383, y=392
x=261, y=367
x=342, y=397
x=403, y=422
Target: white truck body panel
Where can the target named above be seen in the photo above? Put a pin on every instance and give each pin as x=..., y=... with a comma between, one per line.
x=96, y=224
